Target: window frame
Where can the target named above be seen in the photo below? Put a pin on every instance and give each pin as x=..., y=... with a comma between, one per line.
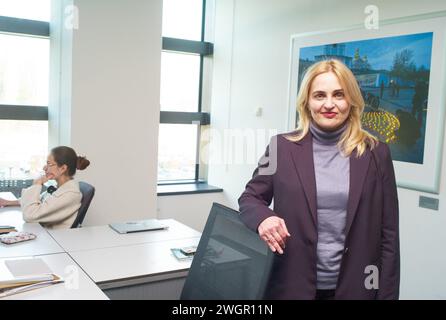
x=27, y=28
x=200, y=118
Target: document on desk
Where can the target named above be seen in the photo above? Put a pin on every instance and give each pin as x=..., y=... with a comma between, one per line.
x=18, y=285
x=8, y=196
x=7, y=229
x=25, y=275
x=26, y=267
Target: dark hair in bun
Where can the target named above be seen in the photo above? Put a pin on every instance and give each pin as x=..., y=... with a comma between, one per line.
x=82, y=163
x=66, y=155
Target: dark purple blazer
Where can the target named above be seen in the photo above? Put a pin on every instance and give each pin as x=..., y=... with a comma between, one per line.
x=372, y=227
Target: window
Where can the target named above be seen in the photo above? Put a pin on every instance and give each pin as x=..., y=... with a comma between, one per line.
x=180, y=73
x=183, y=19
x=178, y=161
x=26, y=9
x=182, y=68
x=24, y=87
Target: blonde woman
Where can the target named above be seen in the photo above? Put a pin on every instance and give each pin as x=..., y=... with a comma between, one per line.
x=334, y=226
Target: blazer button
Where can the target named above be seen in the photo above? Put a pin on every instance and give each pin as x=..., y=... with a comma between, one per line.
x=346, y=250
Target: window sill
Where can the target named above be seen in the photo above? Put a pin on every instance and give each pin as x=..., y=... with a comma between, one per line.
x=186, y=188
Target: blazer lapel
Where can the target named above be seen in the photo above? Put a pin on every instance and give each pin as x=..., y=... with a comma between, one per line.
x=358, y=172
x=302, y=155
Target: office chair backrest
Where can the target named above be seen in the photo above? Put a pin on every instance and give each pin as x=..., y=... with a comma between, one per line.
x=87, y=191
x=231, y=261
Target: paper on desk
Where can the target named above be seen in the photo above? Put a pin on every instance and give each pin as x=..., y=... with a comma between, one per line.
x=8, y=291
x=8, y=196
x=24, y=281
x=179, y=255
x=27, y=267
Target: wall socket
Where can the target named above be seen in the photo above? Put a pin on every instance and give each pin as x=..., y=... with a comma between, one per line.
x=428, y=203
x=259, y=112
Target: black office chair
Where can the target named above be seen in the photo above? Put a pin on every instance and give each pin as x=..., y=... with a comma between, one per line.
x=231, y=261
x=87, y=191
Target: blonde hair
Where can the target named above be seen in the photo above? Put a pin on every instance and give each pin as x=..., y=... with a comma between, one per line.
x=354, y=136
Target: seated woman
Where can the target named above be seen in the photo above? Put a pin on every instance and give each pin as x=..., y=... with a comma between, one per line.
x=58, y=209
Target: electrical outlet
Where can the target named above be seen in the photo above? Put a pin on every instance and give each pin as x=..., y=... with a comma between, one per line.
x=259, y=112
x=428, y=203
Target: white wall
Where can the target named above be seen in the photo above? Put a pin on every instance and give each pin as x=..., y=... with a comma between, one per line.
x=113, y=87
x=191, y=209
x=251, y=67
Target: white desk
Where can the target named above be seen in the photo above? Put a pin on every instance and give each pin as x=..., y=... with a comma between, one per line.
x=126, y=266
x=98, y=237
x=126, y=263
x=131, y=266
x=64, y=266
x=142, y=271
x=43, y=244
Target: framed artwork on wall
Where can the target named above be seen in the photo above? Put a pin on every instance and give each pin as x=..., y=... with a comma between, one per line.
x=401, y=69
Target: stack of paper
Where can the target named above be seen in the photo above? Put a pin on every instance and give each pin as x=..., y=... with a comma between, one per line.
x=7, y=229
x=25, y=275
x=21, y=284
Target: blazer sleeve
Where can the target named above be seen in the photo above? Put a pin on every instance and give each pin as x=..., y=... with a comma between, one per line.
x=255, y=200
x=389, y=282
x=51, y=210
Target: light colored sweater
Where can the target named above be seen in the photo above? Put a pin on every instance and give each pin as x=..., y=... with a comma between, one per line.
x=332, y=171
x=55, y=211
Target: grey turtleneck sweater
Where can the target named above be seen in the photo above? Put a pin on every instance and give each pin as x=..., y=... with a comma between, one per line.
x=332, y=171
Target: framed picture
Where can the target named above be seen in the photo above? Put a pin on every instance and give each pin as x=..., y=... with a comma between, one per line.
x=401, y=69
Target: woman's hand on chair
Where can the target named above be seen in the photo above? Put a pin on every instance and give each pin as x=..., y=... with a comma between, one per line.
x=274, y=232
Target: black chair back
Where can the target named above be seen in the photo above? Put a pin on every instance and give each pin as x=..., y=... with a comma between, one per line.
x=231, y=261
x=87, y=191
